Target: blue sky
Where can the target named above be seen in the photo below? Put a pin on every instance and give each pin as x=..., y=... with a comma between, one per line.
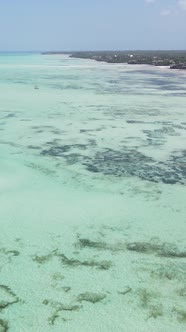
x=92, y=24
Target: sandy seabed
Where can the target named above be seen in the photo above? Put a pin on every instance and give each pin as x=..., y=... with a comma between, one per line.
x=92, y=196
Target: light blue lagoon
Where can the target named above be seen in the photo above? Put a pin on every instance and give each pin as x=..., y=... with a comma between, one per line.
x=92, y=196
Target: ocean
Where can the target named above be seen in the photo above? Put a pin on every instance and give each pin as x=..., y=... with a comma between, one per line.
x=92, y=196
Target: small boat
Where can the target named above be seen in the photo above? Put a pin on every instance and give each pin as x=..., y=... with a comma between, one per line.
x=36, y=87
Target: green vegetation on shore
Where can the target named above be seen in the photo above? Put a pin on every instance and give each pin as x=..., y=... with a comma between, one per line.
x=174, y=59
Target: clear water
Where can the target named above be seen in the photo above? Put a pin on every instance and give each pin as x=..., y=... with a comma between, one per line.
x=92, y=196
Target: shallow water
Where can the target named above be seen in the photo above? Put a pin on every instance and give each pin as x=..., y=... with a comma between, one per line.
x=92, y=196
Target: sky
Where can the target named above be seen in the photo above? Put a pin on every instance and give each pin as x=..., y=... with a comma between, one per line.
x=70, y=25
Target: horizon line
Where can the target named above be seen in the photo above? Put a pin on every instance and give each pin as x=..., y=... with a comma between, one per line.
x=90, y=50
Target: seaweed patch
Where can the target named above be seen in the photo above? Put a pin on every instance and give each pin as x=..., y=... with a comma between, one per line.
x=7, y=297
x=180, y=314
x=101, y=265
x=86, y=243
x=125, y=291
x=71, y=262
x=168, y=250
x=155, y=311
x=91, y=297
x=130, y=162
x=182, y=292
x=3, y=325
x=10, y=115
x=146, y=297
x=60, y=307
x=58, y=151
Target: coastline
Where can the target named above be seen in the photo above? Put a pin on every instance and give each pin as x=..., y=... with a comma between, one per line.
x=166, y=59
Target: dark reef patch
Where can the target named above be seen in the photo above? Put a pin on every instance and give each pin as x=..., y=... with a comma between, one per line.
x=155, y=311
x=91, y=297
x=43, y=259
x=182, y=292
x=163, y=250
x=66, y=289
x=58, y=151
x=90, y=130
x=92, y=142
x=101, y=265
x=57, y=276
x=3, y=325
x=130, y=162
x=10, y=115
x=137, y=122
x=168, y=250
x=71, y=262
x=60, y=307
x=33, y=147
x=73, y=158
x=180, y=314
x=145, y=297
x=42, y=127
x=170, y=272
x=125, y=291
x=158, y=136
x=126, y=161
x=13, y=252
x=150, y=302
x=9, y=252
x=39, y=131
x=45, y=170
x=7, y=297
x=86, y=243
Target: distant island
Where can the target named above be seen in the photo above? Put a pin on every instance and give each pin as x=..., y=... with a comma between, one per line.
x=173, y=59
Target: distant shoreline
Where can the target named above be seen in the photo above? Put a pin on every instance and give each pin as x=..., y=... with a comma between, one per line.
x=170, y=59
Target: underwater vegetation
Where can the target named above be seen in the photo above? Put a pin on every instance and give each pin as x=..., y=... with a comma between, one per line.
x=7, y=297
x=59, y=151
x=168, y=250
x=150, y=300
x=3, y=325
x=130, y=162
x=125, y=291
x=59, y=307
x=86, y=243
x=91, y=297
x=71, y=262
x=180, y=314
x=9, y=253
x=127, y=161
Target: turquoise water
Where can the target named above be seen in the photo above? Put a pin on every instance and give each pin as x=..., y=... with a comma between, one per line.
x=92, y=196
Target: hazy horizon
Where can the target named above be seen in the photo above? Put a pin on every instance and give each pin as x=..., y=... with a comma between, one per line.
x=99, y=25
x=93, y=50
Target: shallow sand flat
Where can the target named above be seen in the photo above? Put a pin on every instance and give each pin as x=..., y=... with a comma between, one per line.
x=92, y=196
